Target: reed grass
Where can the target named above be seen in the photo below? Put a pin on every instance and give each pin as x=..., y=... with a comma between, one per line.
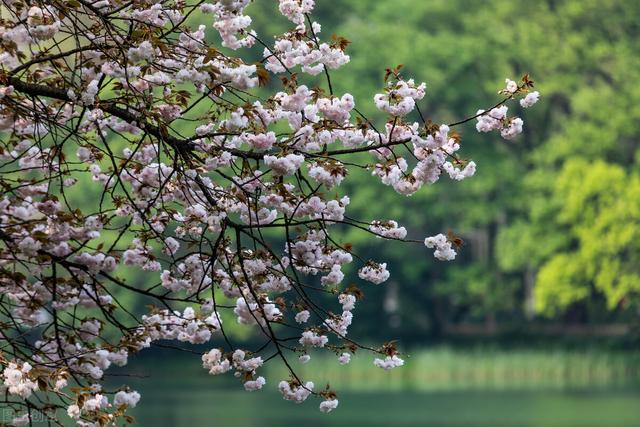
x=443, y=369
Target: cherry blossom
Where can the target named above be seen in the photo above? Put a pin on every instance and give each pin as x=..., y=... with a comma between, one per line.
x=202, y=196
x=530, y=99
x=443, y=247
x=344, y=358
x=374, y=272
x=328, y=405
x=388, y=362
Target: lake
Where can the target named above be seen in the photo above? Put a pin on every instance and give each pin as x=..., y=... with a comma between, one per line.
x=236, y=408
x=516, y=389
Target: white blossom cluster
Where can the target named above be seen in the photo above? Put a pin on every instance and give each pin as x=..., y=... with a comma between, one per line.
x=313, y=339
x=295, y=10
x=388, y=362
x=497, y=119
x=443, y=248
x=431, y=151
x=292, y=49
x=530, y=100
x=344, y=359
x=217, y=363
x=16, y=380
x=374, y=273
x=297, y=393
x=126, y=398
x=330, y=174
x=400, y=98
x=388, y=229
x=328, y=405
x=93, y=404
x=186, y=326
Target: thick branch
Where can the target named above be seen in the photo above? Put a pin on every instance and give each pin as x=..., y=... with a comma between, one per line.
x=183, y=146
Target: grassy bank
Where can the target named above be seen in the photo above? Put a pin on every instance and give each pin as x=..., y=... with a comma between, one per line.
x=445, y=369
x=439, y=387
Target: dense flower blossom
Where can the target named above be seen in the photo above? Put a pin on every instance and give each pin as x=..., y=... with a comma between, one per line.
x=17, y=380
x=530, y=99
x=211, y=198
x=293, y=49
x=400, y=98
x=214, y=363
x=303, y=316
x=344, y=358
x=95, y=402
x=129, y=399
x=374, y=273
x=312, y=339
x=443, y=248
x=388, y=362
x=388, y=229
x=497, y=119
x=295, y=10
x=491, y=120
x=328, y=405
x=253, y=385
x=457, y=173
x=512, y=87
x=73, y=411
x=512, y=129
x=286, y=165
x=295, y=392
x=327, y=173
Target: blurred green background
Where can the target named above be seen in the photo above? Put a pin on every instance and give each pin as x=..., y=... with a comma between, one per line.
x=536, y=322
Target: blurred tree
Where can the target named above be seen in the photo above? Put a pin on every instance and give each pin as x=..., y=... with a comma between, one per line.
x=520, y=233
x=600, y=213
x=549, y=219
x=578, y=221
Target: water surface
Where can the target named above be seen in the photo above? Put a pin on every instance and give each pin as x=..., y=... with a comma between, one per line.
x=165, y=406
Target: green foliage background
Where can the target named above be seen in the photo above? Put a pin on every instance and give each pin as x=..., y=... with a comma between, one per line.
x=551, y=220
